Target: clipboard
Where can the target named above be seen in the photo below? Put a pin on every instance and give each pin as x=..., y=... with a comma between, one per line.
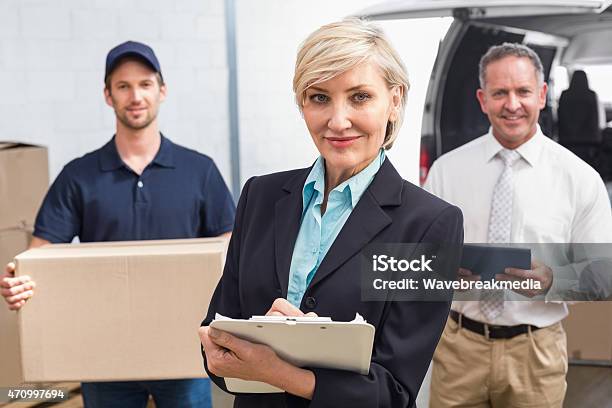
x=303, y=341
x=487, y=261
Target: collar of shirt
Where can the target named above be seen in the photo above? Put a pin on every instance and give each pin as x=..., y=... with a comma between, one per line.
x=530, y=150
x=110, y=159
x=315, y=182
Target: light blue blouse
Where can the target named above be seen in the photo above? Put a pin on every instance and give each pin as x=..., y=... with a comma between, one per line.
x=317, y=233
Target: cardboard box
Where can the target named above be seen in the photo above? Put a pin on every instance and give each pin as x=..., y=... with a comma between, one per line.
x=589, y=331
x=10, y=373
x=24, y=180
x=12, y=242
x=117, y=311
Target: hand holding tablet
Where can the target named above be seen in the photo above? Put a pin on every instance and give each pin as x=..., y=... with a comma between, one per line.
x=488, y=261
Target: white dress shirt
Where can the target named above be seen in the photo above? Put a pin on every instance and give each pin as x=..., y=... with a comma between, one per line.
x=557, y=198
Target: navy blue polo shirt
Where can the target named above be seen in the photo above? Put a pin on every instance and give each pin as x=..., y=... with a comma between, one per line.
x=180, y=194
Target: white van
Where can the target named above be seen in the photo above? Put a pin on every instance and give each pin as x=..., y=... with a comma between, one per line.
x=567, y=35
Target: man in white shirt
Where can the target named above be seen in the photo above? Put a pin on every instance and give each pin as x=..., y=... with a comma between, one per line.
x=514, y=185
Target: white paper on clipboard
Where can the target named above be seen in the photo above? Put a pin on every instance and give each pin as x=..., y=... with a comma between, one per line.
x=305, y=342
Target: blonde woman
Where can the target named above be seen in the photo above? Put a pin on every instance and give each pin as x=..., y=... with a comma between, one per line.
x=298, y=234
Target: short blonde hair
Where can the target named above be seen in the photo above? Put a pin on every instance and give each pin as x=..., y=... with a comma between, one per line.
x=338, y=47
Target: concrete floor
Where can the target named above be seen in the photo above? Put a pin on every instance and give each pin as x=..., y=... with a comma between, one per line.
x=589, y=386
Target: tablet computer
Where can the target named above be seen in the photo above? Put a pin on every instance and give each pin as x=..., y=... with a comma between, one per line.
x=487, y=261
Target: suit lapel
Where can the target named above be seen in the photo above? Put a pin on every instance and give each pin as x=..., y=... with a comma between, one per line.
x=287, y=217
x=365, y=222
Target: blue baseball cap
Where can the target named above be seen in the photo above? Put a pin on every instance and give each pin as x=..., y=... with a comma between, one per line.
x=134, y=49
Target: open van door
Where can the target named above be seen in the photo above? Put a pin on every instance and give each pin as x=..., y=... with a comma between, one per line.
x=466, y=9
x=452, y=116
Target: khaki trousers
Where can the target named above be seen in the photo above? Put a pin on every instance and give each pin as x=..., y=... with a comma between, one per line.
x=526, y=371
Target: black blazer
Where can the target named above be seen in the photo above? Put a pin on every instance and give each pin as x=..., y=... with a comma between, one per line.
x=391, y=210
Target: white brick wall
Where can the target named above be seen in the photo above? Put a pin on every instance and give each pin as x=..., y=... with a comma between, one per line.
x=95, y=24
x=9, y=21
x=45, y=22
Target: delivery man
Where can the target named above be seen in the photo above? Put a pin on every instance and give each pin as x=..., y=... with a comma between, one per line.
x=138, y=186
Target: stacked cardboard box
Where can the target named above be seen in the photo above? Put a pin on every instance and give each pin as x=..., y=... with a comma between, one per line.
x=589, y=332
x=24, y=179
